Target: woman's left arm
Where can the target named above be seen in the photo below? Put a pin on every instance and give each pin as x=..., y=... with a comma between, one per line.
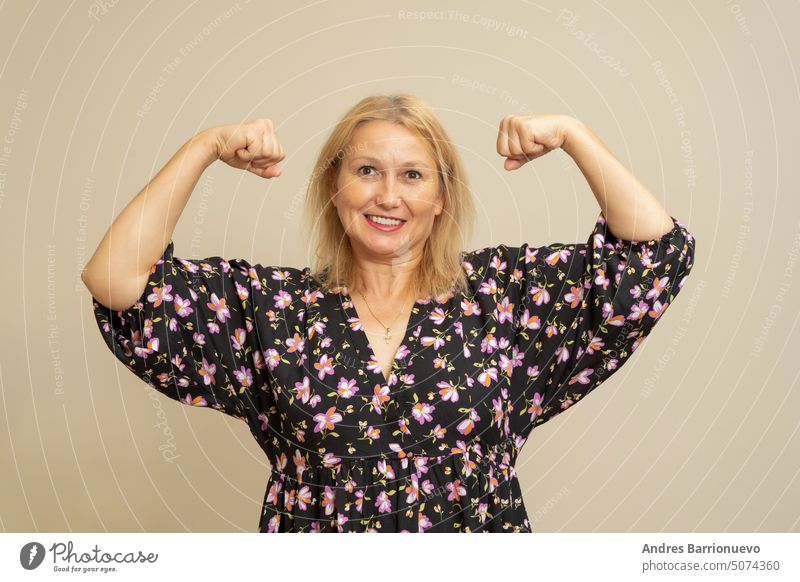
x=631, y=211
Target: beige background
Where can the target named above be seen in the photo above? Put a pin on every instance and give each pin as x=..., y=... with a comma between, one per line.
x=699, y=430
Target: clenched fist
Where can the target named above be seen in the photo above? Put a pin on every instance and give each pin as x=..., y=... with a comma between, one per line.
x=250, y=145
x=522, y=138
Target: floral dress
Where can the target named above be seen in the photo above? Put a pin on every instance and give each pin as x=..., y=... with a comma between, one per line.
x=433, y=449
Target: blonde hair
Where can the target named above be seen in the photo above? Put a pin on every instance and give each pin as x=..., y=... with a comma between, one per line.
x=440, y=271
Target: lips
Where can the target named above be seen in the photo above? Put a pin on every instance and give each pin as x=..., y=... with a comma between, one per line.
x=384, y=227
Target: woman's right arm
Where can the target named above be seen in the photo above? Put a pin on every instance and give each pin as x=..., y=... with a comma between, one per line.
x=118, y=272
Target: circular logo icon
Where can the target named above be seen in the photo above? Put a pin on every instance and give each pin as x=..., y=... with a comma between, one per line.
x=31, y=555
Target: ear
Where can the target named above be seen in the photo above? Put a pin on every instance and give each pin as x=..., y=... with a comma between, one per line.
x=439, y=203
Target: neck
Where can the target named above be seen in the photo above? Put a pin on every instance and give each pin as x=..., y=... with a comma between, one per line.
x=385, y=281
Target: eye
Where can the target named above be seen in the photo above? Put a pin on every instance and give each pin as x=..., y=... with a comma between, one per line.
x=417, y=173
x=362, y=167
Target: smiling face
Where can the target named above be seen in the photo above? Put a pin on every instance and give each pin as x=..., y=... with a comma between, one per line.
x=388, y=172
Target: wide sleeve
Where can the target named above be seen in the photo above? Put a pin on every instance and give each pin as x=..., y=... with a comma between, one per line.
x=191, y=334
x=573, y=314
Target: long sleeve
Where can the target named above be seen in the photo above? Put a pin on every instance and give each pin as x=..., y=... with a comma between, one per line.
x=573, y=314
x=191, y=335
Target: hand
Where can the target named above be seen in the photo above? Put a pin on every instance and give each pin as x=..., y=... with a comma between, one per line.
x=250, y=145
x=526, y=137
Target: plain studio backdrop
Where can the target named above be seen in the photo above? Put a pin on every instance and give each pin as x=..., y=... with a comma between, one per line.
x=698, y=431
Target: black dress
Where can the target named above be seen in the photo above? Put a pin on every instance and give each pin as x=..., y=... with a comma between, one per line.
x=434, y=448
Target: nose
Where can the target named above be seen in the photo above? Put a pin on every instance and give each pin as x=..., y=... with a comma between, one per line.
x=388, y=194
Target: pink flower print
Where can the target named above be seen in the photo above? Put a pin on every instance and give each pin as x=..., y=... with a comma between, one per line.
x=295, y=343
x=238, y=338
x=379, y=396
x=207, y=372
x=422, y=412
x=289, y=498
x=497, y=263
x=220, y=307
x=506, y=365
x=273, y=358
x=182, y=306
x=533, y=372
x=213, y=327
x=488, y=376
x=346, y=388
x=638, y=311
x=328, y=420
x=373, y=433
x=566, y=403
x=581, y=377
x=488, y=287
x=504, y=311
x=483, y=511
x=438, y=316
x=447, y=391
x=470, y=307
x=264, y=421
x=456, y=490
x=383, y=502
x=385, y=469
x=304, y=497
x=328, y=500
x=412, y=490
x=551, y=330
x=177, y=362
x=497, y=410
x=424, y=522
x=194, y=401
x=245, y=377
x=303, y=389
x=575, y=296
x=402, y=352
x=489, y=343
x=274, y=523
x=561, y=255
x=341, y=519
x=541, y=296
x=434, y=342
x=242, y=291
x=283, y=299
x=329, y=460
x=255, y=283
x=535, y=408
x=562, y=355
x=465, y=426
x=160, y=294
x=530, y=322
x=143, y=352
x=199, y=338
x=324, y=366
x=595, y=344
x=601, y=279
x=658, y=309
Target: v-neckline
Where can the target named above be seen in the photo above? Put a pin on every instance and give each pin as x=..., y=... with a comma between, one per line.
x=361, y=340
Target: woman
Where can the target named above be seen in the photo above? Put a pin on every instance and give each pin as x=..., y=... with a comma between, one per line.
x=393, y=383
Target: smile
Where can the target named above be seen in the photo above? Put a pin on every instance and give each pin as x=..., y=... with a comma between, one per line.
x=384, y=224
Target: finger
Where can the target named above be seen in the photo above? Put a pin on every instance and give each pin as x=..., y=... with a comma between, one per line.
x=514, y=145
x=502, y=138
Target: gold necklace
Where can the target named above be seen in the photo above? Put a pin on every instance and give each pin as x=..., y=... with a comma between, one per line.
x=388, y=335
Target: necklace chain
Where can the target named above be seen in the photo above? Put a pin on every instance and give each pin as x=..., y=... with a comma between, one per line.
x=388, y=335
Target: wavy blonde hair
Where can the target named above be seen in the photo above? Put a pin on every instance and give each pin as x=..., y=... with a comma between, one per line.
x=440, y=271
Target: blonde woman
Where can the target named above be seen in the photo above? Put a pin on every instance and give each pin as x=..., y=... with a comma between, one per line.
x=393, y=382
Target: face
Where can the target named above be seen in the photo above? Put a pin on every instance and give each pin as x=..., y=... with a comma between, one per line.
x=387, y=172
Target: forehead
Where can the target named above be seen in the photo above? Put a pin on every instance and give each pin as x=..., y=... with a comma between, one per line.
x=385, y=141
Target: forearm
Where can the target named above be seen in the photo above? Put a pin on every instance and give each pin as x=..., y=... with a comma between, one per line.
x=631, y=211
x=118, y=271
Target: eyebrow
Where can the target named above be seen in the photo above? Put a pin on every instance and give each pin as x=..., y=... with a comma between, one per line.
x=404, y=165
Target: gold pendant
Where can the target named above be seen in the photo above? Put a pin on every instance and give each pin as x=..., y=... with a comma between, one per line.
x=388, y=336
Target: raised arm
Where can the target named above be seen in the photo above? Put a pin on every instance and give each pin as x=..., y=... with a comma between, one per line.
x=117, y=273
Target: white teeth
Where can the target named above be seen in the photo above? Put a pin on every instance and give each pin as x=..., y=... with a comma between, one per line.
x=384, y=221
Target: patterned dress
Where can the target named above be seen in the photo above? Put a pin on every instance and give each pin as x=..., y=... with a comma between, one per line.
x=433, y=449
